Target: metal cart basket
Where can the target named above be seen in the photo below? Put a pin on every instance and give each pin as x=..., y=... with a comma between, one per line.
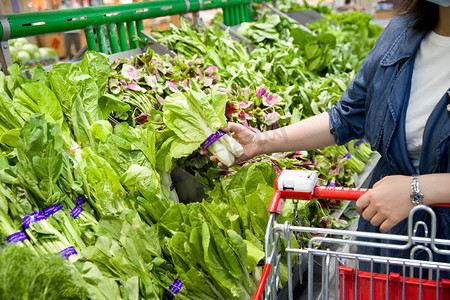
x=336, y=272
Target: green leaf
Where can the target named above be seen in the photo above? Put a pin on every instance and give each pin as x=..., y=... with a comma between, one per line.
x=37, y=73
x=108, y=103
x=45, y=99
x=9, y=138
x=81, y=124
x=131, y=288
x=311, y=50
x=301, y=37
x=191, y=115
x=254, y=255
x=101, y=130
x=96, y=64
x=9, y=118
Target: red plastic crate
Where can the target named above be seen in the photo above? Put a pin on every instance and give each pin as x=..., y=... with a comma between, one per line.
x=395, y=282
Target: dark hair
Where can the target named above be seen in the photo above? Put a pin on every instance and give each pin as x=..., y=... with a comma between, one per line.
x=425, y=13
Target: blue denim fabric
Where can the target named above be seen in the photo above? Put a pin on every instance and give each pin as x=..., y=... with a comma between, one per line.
x=374, y=107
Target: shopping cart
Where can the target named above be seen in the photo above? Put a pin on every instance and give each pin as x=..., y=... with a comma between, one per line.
x=334, y=271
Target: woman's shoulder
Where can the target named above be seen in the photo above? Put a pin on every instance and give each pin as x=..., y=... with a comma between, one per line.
x=398, y=40
x=397, y=27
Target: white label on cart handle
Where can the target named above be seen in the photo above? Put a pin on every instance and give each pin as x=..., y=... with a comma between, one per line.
x=298, y=181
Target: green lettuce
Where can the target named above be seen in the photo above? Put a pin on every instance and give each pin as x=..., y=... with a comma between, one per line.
x=193, y=116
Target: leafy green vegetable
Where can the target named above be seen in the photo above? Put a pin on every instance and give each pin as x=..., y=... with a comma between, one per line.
x=24, y=275
x=194, y=116
x=135, y=238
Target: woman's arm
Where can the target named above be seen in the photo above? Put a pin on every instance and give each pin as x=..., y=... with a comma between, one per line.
x=308, y=134
x=388, y=202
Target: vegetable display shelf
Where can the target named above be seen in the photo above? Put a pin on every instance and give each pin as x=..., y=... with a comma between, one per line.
x=301, y=17
x=111, y=28
x=182, y=184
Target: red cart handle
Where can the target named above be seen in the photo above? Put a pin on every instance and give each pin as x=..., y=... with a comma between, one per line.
x=262, y=282
x=322, y=192
x=302, y=185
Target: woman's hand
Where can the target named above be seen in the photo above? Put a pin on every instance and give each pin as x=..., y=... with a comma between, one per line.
x=387, y=203
x=246, y=137
x=311, y=133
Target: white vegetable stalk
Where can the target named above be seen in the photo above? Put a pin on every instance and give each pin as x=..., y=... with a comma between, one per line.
x=232, y=145
x=226, y=149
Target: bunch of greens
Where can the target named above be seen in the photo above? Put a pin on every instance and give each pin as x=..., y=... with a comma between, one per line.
x=38, y=179
x=209, y=42
x=144, y=81
x=19, y=99
x=81, y=91
x=268, y=29
x=119, y=172
x=288, y=5
x=24, y=275
x=209, y=257
x=128, y=251
x=195, y=116
x=72, y=95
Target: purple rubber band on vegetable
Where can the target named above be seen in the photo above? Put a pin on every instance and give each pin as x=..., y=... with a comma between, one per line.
x=52, y=209
x=212, y=138
x=176, y=286
x=80, y=200
x=68, y=252
x=359, y=142
x=32, y=218
x=76, y=212
x=332, y=184
x=172, y=187
x=348, y=155
x=16, y=237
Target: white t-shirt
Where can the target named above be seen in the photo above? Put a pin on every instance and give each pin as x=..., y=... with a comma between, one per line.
x=430, y=80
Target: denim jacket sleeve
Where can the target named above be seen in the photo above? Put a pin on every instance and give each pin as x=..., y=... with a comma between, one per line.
x=347, y=117
x=356, y=115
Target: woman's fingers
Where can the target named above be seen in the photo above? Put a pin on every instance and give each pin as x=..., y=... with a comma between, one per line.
x=377, y=219
x=221, y=165
x=369, y=213
x=227, y=128
x=386, y=225
x=362, y=203
x=387, y=203
x=243, y=136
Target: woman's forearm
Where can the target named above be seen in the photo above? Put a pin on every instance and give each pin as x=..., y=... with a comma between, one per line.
x=308, y=134
x=435, y=188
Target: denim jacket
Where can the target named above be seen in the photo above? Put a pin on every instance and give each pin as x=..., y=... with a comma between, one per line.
x=374, y=106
